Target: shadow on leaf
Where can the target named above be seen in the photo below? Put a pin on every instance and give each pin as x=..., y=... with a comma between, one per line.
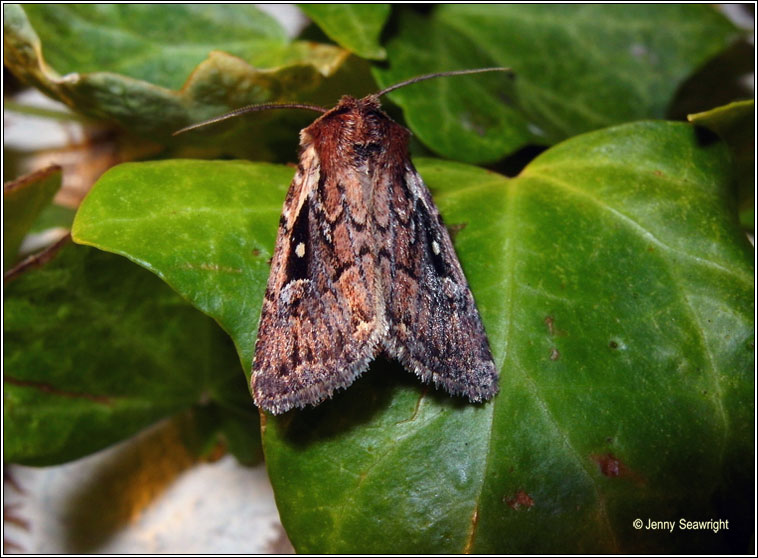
x=361, y=404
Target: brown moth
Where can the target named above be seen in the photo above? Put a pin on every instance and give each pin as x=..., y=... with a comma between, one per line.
x=363, y=265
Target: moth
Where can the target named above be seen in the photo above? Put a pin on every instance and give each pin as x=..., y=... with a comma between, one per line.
x=363, y=265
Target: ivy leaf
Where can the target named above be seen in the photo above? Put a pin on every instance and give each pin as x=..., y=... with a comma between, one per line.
x=95, y=349
x=53, y=216
x=735, y=124
x=157, y=43
x=207, y=228
x=23, y=200
x=577, y=67
x=616, y=288
x=106, y=62
x=355, y=27
x=467, y=118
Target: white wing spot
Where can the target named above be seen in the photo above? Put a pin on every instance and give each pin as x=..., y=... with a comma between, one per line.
x=300, y=250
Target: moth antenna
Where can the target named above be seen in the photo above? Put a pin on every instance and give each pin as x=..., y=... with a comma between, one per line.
x=436, y=75
x=250, y=108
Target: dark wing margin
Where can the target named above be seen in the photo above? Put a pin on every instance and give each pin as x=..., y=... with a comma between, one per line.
x=435, y=327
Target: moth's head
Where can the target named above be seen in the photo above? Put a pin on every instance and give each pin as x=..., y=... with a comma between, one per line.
x=352, y=121
x=349, y=104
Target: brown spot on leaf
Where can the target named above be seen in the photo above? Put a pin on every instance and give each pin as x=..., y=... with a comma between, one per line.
x=611, y=466
x=613, y=345
x=551, y=329
x=256, y=252
x=519, y=500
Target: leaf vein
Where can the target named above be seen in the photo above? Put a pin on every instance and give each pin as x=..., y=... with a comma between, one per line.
x=686, y=301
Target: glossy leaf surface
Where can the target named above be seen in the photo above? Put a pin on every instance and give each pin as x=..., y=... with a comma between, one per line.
x=577, y=67
x=616, y=289
x=206, y=227
x=355, y=27
x=96, y=349
x=158, y=43
x=735, y=124
x=105, y=62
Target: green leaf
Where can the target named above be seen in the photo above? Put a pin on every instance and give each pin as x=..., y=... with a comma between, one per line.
x=617, y=292
x=616, y=289
x=206, y=227
x=578, y=68
x=121, y=69
x=355, y=27
x=158, y=43
x=53, y=216
x=95, y=349
x=23, y=200
x=735, y=123
x=466, y=118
